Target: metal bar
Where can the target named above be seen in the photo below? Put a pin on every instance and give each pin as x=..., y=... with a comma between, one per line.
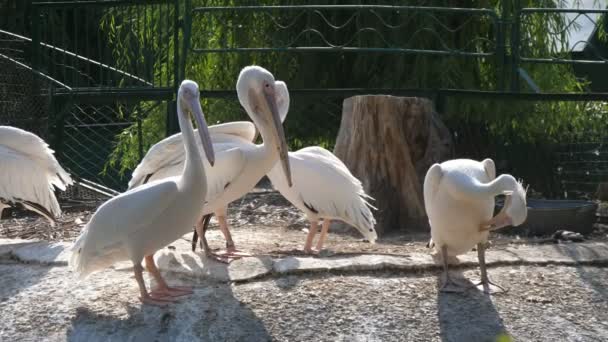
x=71, y=54
x=501, y=48
x=88, y=46
x=35, y=46
x=563, y=10
x=528, y=80
x=515, y=41
x=75, y=65
x=113, y=124
x=36, y=72
x=102, y=95
x=96, y=3
x=429, y=93
x=528, y=96
x=172, y=125
x=454, y=53
x=59, y=122
x=490, y=12
x=140, y=138
x=560, y=61
x=187, y=29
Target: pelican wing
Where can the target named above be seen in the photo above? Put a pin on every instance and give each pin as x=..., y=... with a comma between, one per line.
x=165, y=154
x=431, y=183
x=242, y=129
x=124, y=216
x=325, y=185
x=230, y=162
x=29, y=171
x=166, y=157
x=134, y=209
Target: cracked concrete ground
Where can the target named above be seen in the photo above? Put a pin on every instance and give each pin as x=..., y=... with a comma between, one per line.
x=557, y=292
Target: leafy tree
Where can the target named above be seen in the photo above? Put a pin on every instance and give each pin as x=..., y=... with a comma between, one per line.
x=483, y=127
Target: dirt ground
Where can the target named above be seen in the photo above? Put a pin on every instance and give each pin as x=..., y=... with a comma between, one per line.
x=548, y=303
x=262, y=223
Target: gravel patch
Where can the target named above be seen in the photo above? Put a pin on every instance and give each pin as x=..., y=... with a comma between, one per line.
x=544, y=303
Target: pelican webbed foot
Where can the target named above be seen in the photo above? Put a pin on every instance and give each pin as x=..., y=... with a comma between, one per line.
x=157, y=300
x=450, y=285
x=176, y=291
x=490, y=287
x=485, y=284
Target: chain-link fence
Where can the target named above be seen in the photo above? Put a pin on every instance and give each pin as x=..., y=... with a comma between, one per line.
x=25, y=95
x=105, y=74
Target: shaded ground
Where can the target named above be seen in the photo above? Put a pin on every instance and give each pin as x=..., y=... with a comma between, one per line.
x=544, y=304
x=551, y=302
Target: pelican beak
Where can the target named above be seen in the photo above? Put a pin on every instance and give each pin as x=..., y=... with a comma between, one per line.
x=501, y=219
x=203, y=130
x=279, y=136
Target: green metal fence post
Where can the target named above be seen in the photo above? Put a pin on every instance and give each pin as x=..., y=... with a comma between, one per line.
x=35, y=44
x=186, y=30
x=59, y=109
x=172, y=125
x=501, y=48
x=515, y=42
x=440, y=102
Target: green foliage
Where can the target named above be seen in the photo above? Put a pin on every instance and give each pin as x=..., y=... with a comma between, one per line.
x=315, y=119
x=126, y=154
x=503, y=337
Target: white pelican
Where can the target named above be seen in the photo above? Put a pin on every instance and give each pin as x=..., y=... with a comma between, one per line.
x=135, y=224
x=323, y=186
x=238, y=168
x=459, y=200
x=29, y=172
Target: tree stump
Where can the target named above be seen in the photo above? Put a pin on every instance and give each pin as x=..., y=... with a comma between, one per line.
x=389, y=143
x=602, y=191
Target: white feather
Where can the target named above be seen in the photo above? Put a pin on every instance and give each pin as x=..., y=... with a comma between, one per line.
x=29, y=171
x=122, y=226
x=459, y=198
x=140, y=221
x=238, y=167
x=318, y=176
x=322, y=183
x=242, y=129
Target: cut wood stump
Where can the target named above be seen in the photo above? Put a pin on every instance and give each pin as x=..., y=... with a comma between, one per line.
x=602, y=192
x=389, y=143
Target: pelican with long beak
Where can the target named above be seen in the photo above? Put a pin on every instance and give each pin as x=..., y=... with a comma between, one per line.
x=137, y=223
x=238, y=168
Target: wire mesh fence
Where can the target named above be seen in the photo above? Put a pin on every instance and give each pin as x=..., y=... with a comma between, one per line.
x=91, y=133
x=25, y=97
x=104, y=63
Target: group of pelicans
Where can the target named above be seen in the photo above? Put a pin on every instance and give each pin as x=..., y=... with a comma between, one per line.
x=178, y=185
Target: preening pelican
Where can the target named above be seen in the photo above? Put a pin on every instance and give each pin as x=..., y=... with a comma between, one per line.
x=238, y=168
x=29, y=172
x=323, y=187
x=135, y=224
x=459, y=200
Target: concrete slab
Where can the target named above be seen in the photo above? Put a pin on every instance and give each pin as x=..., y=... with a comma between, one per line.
x=7, y=246
x=36, y=251
x=180, y=259
x=48, y=253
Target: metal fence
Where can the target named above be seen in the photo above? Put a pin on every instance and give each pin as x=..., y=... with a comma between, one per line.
x=105, y=94
x=106, y=73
